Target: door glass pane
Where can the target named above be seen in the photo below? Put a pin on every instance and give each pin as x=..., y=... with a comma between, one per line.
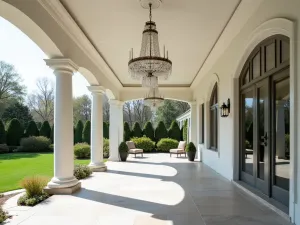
x=262, y=129
x=282, y=147
x=246, y=77
x=247, y=164
x=256, y=65
x=270, y=57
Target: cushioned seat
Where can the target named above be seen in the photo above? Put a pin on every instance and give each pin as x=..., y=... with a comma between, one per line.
x=179, y=150
x=133, y=149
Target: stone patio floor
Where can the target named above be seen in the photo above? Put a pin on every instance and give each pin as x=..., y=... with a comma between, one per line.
x=156, y=190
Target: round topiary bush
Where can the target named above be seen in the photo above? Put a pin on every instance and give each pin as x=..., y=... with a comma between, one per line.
x=45, y=129
x=2, y=133
x=190, y=147
x=174, y=131
x=82, y=151
x=123, y=147
x=105, y=148
x=35, y=144
x=86, y=133
x=161, y=131
x=32, y=129
x=165, y=144
x=14, y=133
x=82, y=171
x=78, y=132
x=144, y=143
x=127, y=132
x=148, y=131
x=136, y=130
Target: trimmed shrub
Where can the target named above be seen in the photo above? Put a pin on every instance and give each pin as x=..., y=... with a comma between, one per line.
x=78, y=132
x=52, y=134
x=190, y=147
x=14, y=133
x=32, y=129
x=2, y=133
x=105, y=148
x=24, y=200
x=13, y=148
x=127, y=132
x=123, y=147
x=105, y=130
x=165, y=144
x=3, y=215
x=82, y=171
x=86, y=133
x=174, y=131
x=136, y=130
x=34, y=185
x=34, y=144
x=4, y=148
x=185, y=131
x=144, y=143
x=82, y=151
x=51, y=148
x=148, y=131
x=45, y=129
x=161, y=131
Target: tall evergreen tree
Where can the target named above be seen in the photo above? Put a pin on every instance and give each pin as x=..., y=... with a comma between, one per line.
x=52, y=134
x=45, y=129
x=86, y=133
x=136, y=130
x=127, y=132
x=106, y=130
x=14, y=133
x=78, y=132
x=161, y=131
x=174, y=131
x=149, y=131
x=31, y=129
x=2, y=133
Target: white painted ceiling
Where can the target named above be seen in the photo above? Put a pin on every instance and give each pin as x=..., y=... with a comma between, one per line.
x=188, y=29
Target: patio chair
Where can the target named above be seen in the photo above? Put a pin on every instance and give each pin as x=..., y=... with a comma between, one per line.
x=133, y=149
x=179, y=150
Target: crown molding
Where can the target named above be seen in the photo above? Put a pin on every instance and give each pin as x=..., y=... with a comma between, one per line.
x=67, y=23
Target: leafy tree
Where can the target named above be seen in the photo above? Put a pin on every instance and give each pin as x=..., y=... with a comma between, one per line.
x=136, y=111
x=18, y=111
x=82, y=108
x=52, y=134
x=185, y=131
x=161, y=131
x=106, y=130
x=174, y=131
x=31, y=129
x=149, y=131
x=10, y=83
x=14, y=133
x=78, y=132
x=170, y=110
x=136, y=130
x=41, y=102
x=127, y=132
x=2, y=133
x=39, y=125
x=86, y=133
x=45, y=129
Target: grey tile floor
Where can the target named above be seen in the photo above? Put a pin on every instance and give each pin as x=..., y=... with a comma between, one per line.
x=156, y=190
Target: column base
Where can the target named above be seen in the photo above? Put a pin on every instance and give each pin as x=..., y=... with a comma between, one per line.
x=63, y=191
x=62, y=182
x=98, y=167
x=114, y=159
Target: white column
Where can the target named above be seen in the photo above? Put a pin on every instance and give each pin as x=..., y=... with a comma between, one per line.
x=63, y=180
x=97, y=163
x=193, y=124
x=115, y=128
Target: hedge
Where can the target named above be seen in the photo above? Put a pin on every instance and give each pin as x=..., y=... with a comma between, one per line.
x=34, y=144
x=82, y=151
x=136, y=130
x=148, y=131
x=78, y=132
x=45, y=129
x=161, y=131
x=32, y=129
x=106, y=148
x=165, y=144
x=14, y=133
x=144, y=143
x=174, y=131
x=52, y=134
x=2, y=133
x=86, y=133
x=4, y=148
x=127, y=132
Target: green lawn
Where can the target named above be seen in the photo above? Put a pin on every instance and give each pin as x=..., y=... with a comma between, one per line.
x=15, y=166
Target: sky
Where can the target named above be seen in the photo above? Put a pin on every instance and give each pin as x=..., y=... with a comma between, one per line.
x=19, y=50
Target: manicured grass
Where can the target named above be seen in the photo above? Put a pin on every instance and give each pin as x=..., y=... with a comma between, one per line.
x=15, y=166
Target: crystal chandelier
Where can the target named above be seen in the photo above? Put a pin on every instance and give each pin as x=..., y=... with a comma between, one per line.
x=150, y=65
x=153, y=99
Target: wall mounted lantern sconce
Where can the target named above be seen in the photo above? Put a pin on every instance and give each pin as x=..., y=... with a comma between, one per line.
x=225, y=109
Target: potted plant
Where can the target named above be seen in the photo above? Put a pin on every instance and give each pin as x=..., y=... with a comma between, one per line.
x=123, y=151
x=191, y=151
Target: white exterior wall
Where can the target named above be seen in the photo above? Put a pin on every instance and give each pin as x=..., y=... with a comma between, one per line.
x=228, y=66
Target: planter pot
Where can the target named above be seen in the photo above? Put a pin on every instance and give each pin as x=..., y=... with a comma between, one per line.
x=191, y=156
x=123, y=156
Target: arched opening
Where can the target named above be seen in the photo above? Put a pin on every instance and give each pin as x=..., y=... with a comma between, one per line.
x=265, y=118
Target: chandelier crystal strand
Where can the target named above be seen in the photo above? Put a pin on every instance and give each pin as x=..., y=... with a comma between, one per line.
x=153, y=99
x=150, y=63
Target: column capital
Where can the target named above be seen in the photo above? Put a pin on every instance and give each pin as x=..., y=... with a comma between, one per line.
x=116, y=102
x=96, y=89
x=193, y=103
x=62, y=64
